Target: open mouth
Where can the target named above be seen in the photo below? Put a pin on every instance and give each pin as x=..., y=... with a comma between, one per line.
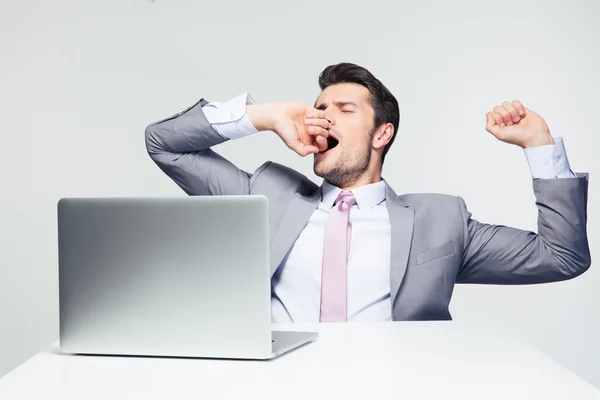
x=331, y=143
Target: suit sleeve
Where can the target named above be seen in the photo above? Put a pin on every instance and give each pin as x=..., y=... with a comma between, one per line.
x=496, y=254
x=181, y=147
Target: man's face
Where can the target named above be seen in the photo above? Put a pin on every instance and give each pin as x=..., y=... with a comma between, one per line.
x=351, y=117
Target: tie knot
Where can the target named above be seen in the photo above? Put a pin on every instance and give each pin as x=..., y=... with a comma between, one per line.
x=345, y=200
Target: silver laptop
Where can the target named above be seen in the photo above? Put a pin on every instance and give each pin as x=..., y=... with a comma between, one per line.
x=181, y=277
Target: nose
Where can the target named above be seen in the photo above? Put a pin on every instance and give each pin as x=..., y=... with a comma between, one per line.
x=329, y=114
x=329, y=118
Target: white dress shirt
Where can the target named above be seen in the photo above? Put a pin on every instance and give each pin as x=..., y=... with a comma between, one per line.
x=296, y=286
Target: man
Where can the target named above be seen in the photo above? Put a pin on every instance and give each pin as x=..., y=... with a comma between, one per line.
x=352, y=249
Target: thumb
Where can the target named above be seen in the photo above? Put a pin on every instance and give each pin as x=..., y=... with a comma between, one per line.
x=310, y=149
x=490, y=125
x=304, y=150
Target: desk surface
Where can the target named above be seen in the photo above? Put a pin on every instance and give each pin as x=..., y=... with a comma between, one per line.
x=415, y=360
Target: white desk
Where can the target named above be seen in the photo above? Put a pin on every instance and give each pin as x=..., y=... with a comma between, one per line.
x=428, y=360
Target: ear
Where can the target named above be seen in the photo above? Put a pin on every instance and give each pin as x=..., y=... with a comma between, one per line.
x=383, y=135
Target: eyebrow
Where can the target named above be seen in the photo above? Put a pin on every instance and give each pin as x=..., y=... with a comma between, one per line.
x=337, y=103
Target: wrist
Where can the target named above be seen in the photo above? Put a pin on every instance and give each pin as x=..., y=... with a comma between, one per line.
x=261, y=116
x=543, y=139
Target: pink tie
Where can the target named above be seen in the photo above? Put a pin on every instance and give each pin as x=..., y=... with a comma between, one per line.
x=335, y=258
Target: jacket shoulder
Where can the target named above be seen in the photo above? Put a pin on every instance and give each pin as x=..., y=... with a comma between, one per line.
x=272, y=176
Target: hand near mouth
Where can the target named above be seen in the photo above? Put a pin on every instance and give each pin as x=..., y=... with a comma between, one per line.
x=302, y=128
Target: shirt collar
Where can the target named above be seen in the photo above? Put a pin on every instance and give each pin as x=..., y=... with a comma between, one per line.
x=367, y=196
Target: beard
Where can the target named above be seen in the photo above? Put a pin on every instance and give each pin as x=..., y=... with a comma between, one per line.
x=348, y=167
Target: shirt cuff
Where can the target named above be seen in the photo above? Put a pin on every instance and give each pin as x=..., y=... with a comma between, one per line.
x=229, y=118
x=549, y=161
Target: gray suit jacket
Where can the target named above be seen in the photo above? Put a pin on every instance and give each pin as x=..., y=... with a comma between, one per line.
x=435, y=242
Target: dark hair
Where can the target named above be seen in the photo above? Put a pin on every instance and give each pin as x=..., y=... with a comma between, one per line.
x=382, y=100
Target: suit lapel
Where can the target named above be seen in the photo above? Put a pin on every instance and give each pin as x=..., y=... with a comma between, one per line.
x=301, y=208
x=402, y=221
x=293, y=221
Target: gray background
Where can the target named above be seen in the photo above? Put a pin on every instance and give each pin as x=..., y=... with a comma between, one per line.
x=79, y=81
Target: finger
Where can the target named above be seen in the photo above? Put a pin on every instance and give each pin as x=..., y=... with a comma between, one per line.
x=498, y=119
x=323, y=123
x=314, y=113
x=318, y=131
x=310, y=149
x=512, y=111
x=507, y=119
x=321, y=143
x=520, y=107
x=305, y=150
x=490, y=123
x=489, y=120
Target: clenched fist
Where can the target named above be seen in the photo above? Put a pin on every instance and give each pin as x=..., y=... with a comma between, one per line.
x=302, y=128
x=515, y=124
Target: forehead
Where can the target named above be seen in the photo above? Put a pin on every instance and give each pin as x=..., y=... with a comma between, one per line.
x=344, y=92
